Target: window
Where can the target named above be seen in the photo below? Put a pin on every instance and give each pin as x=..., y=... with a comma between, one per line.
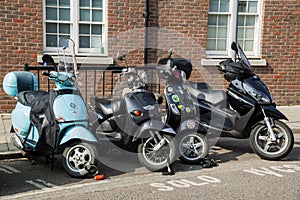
x=82, y=20
x=222, y=23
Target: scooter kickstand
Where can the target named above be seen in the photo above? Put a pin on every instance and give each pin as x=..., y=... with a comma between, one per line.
x=169, y=170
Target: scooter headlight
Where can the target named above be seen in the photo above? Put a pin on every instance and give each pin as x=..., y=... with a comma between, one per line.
x=261, y=98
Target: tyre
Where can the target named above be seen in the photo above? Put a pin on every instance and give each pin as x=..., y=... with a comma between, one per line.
x=156, y=160
x=79, y=159
x=266, y=149
x=193, y=147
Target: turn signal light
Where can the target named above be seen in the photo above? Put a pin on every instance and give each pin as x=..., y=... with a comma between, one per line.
x=136, y=113
x=59, y=119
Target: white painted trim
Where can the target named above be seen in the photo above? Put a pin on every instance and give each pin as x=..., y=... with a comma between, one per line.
x=85, y=60
x=215, y=62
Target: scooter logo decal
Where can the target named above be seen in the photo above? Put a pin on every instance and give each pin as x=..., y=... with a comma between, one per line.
x=175, y=98
x=73, y=106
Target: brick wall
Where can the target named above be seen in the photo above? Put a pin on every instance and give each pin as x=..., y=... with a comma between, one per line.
x=281, y=48
x=20, y=39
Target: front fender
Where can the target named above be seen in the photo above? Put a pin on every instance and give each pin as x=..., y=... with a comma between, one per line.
x=77, y=132
x=155, y=125
x=272, y=112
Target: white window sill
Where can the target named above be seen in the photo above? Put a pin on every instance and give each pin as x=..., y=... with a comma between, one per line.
x=215, y=62
x=85, y=60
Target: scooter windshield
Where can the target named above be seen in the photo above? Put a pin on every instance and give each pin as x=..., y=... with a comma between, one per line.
x=243, y=57
x=66, y=55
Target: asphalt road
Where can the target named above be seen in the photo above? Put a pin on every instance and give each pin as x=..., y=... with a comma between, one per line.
x=241, y=174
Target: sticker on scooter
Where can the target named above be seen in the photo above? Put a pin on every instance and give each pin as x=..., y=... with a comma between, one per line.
x=187, y=109
x=170, y=89
x=175, y=98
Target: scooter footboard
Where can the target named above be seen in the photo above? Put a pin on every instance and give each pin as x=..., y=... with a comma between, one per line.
x=77, y=132
x=144, y=131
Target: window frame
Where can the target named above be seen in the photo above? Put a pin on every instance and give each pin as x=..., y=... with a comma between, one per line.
x=232, y=32
x=74, y=31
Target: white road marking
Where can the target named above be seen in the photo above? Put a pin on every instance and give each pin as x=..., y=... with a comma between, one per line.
x=45, y=183
x=8, y=169
x=37, y=185
x=40, y=184
x=5, y=170
x=11, y=168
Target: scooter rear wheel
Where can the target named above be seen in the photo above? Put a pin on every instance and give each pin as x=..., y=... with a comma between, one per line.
x=193, y=147
x=79, y=159
x=272, y=150
x=157, y=160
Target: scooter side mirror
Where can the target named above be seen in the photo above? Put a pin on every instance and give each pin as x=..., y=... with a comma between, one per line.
x=121, y=56
x=48, y=59
x=234, y=47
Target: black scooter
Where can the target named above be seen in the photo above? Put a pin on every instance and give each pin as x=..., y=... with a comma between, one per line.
x=245, y=110
x=131, y=121
x=181, y=113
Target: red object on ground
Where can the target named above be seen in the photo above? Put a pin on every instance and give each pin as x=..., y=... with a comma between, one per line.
x=99, y=177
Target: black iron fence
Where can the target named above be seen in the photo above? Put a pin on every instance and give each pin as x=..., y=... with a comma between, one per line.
x=97, y=80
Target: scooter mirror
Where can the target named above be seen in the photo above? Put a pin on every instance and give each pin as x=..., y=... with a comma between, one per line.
x=234, y=47
x=48, y=59
x=121, y=56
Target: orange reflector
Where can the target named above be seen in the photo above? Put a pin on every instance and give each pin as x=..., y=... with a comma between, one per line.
x=137, y=113
x=59, y=119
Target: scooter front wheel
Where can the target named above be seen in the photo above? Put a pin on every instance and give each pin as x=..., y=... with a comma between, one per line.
x=193, y=147
x=79, y=159
x=157, y=160
x=265, y=148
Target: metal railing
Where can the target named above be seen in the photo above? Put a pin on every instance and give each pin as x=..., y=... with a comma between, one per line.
x=96, y=80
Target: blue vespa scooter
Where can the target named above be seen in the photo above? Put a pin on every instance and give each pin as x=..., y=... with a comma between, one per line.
x=55, y=122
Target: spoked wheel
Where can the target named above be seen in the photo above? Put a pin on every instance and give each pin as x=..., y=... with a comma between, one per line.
x=156, y=160
x=79, y=159
x=272, y=150
x=193, y=147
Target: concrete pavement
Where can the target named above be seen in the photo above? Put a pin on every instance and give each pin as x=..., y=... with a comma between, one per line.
x=8, y=150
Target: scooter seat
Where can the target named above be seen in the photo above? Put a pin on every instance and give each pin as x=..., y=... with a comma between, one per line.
x=107, y=106
x=34, y=99
x=215, y=97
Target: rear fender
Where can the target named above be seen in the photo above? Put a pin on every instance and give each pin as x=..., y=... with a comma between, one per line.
x=144, y=130
x=77, y=132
